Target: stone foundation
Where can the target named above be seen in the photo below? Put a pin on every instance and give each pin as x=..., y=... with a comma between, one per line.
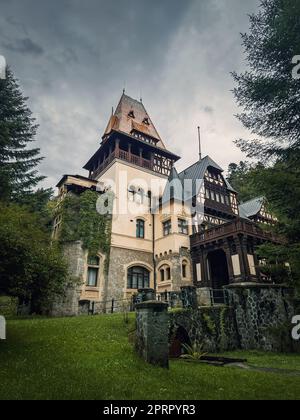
x=212, y=328
x=263, y=315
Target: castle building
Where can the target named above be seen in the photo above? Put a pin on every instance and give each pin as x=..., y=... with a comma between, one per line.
x=168, y=229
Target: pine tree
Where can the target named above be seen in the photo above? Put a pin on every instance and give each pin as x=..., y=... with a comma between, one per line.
x=270, y=98
x=18, y=174
x=268, y=92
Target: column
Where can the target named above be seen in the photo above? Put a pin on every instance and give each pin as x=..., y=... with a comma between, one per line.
x=229, y=262
x=242, y=250
x=152, y=331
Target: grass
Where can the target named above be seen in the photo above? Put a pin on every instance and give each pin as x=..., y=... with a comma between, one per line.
x=91, y=358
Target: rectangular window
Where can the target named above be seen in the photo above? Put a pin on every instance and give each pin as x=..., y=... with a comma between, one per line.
x=92, y=277
x=167, y=228
x=93, y=270
x=140, y=228
x=183, y=226
x=184, y=271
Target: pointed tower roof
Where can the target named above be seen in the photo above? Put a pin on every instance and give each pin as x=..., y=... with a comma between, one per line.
x=131, y=116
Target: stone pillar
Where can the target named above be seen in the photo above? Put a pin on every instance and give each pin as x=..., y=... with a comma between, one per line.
x=145, y=295
x=152, y=332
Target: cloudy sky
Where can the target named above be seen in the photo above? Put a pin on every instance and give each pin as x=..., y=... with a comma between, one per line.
x=73, y=59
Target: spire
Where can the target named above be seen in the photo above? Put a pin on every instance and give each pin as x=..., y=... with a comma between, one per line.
x=200, y=147
x=131, y=115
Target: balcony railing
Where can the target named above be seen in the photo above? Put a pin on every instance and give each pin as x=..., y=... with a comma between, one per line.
x=234, y=228
x=127, y=157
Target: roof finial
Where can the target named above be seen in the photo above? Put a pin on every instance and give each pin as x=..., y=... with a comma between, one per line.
x=199, y=138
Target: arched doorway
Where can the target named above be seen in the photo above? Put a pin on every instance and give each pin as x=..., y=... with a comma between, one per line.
x=179, y=338
x=218, y=269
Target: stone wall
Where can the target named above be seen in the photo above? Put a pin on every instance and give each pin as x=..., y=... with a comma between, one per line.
x=174, y=259
x=120, y=260
x=258, y=317
x=67, y=305
x=212, y=328
x=263, y=315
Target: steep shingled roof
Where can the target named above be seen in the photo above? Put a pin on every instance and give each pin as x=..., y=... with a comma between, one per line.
x=198, y=169
x=132, y=115
x=251, y=207
x=194, y=173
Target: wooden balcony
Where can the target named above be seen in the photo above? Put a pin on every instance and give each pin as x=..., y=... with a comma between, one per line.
x=129, y=158
x=122, y=155
x=237, y=227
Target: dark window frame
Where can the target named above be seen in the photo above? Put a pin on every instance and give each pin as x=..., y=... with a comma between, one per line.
x=138, y=278
x=140, y=229
x=167, y=227
x=93, y=263
x=183, y=227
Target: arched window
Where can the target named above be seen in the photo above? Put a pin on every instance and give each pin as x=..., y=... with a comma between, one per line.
x=93, y=271
x=165, y=273
x=184, y=269
x=138, y=278
x=140, y=228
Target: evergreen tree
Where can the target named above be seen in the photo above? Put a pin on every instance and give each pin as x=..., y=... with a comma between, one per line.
x=18, y=174
x=241, y=177
x=267, y=92
x=270, y=98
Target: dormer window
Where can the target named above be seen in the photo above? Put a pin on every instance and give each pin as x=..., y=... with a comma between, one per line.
x=131, y=114
x=146, y=121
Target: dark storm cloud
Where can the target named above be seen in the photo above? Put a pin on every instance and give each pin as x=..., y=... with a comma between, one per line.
x=73, y=59
x=24, y=46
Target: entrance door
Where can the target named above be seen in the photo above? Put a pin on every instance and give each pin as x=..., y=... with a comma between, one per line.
x=219, y=276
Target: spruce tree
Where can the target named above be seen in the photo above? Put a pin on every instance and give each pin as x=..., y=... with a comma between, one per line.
x=269, y=95
x=267, y=92
x=18, y=162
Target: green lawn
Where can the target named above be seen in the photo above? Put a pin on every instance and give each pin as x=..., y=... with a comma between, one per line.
x=91, y=358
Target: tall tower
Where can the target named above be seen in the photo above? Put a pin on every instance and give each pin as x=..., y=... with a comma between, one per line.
x=133, y=158
x=132, y=138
